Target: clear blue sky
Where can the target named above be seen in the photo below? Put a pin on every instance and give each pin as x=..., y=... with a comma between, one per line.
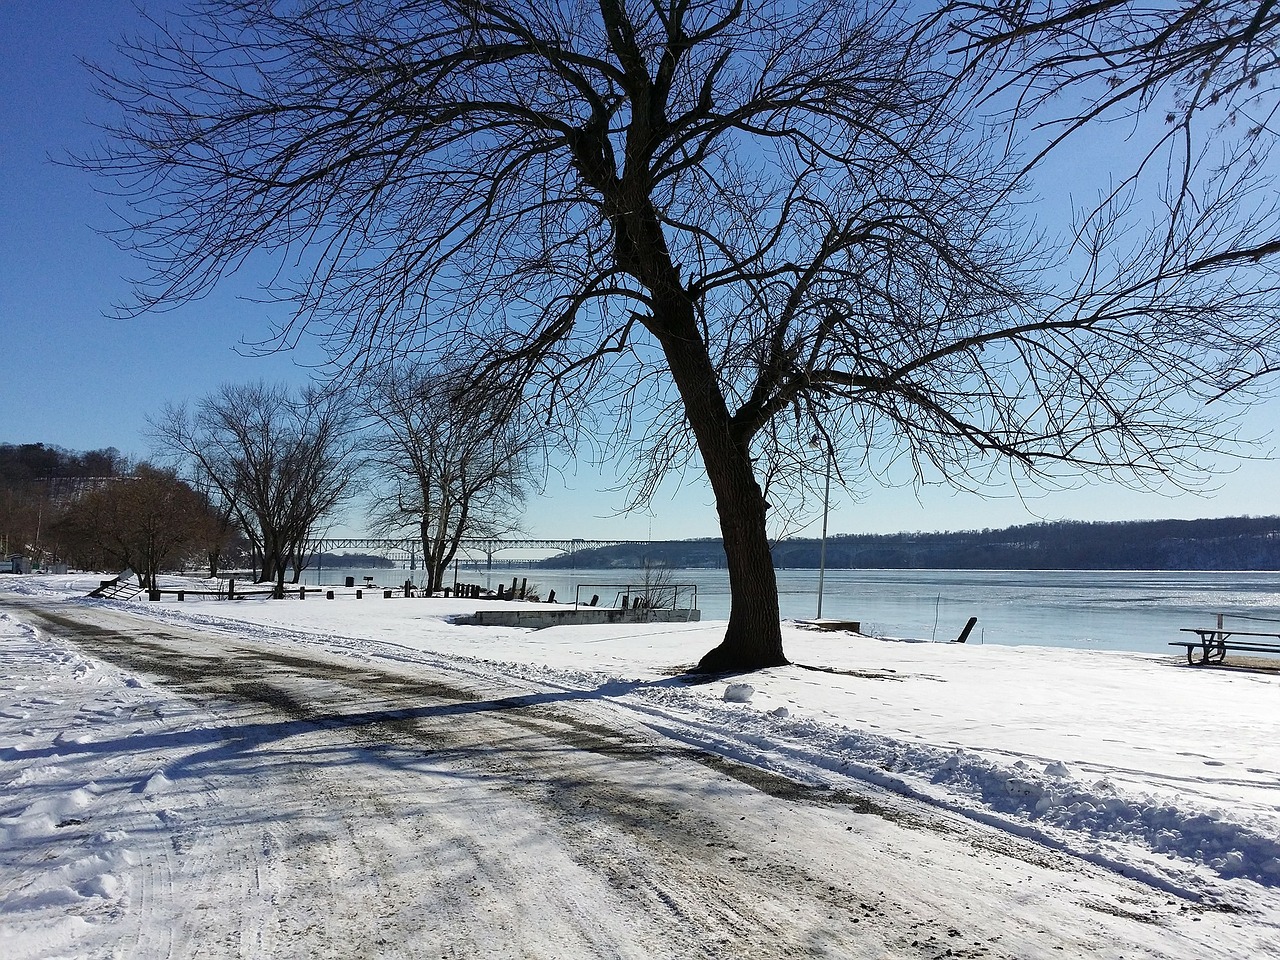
x=74, y=378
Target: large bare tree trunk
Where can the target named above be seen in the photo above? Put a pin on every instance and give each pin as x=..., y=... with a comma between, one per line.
x=754, y=635
x=753, y=639
x=428, y=558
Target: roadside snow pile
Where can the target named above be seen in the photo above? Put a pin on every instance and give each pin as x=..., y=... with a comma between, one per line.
x=1207, y=837
x=1049, y=802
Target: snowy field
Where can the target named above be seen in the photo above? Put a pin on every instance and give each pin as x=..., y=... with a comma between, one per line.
x=121, y=812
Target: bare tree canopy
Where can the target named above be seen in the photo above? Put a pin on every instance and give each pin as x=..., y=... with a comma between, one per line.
x=745, y=227
x=453, y=458
x=1203, y=56
x=148, y=521
x=278, y=462
x=1204, y=73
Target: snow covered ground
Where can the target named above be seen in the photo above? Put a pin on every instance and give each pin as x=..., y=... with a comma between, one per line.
x=155, y=814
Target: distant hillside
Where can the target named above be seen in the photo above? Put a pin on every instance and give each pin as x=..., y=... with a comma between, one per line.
x=1229, y=543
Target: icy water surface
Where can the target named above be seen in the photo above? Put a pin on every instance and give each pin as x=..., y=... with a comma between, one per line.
x=1106, y=610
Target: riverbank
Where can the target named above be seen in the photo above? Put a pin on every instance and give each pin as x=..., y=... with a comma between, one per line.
x=1087, y=610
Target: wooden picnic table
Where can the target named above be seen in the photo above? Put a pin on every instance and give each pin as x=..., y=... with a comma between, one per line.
x=1212, y=643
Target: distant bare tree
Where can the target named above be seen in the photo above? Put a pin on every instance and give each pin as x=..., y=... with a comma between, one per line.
x=224, y=531
x=456, y=458
x=280, y=462
x=745, y=228
x=149, y=521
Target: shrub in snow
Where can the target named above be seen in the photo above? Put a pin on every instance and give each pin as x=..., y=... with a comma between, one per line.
x=739, y=692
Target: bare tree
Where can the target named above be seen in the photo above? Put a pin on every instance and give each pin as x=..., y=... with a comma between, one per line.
x=743, y=227
x=149, y=521
x=456, y=458
x=279, y=462
x=223, y=533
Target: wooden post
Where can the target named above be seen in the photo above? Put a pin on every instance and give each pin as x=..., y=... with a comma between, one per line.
x=386, y=594
x=524, y=585
x=328, y=594
x=968, y=628
x=551, y=597
x=182, y=595
x=501, y=587
x=359, y=594
x=231, y=588
x=302, y=592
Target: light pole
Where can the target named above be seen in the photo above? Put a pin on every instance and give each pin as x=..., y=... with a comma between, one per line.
x=822, y=552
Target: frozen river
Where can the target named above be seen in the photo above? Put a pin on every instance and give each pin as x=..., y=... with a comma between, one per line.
x=1107, y=610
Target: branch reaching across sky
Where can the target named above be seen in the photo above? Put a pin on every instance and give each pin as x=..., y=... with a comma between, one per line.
x=724, y=226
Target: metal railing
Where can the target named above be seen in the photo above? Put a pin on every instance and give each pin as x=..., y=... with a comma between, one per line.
x=638, y=596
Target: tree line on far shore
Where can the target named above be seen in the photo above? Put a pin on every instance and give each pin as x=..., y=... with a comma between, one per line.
x=1228, y=543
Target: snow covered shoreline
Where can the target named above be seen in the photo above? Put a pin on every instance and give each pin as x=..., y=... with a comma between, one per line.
x=1163, y=773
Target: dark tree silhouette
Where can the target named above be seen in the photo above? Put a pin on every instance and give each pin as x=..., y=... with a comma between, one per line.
x=455, y=460
x=148, y=521
x=746, y=228
x=279, y=462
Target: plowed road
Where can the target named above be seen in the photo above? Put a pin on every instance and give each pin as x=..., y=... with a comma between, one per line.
x=303, y=802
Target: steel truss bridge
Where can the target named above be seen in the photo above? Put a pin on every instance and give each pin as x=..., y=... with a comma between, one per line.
x=409, y=548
